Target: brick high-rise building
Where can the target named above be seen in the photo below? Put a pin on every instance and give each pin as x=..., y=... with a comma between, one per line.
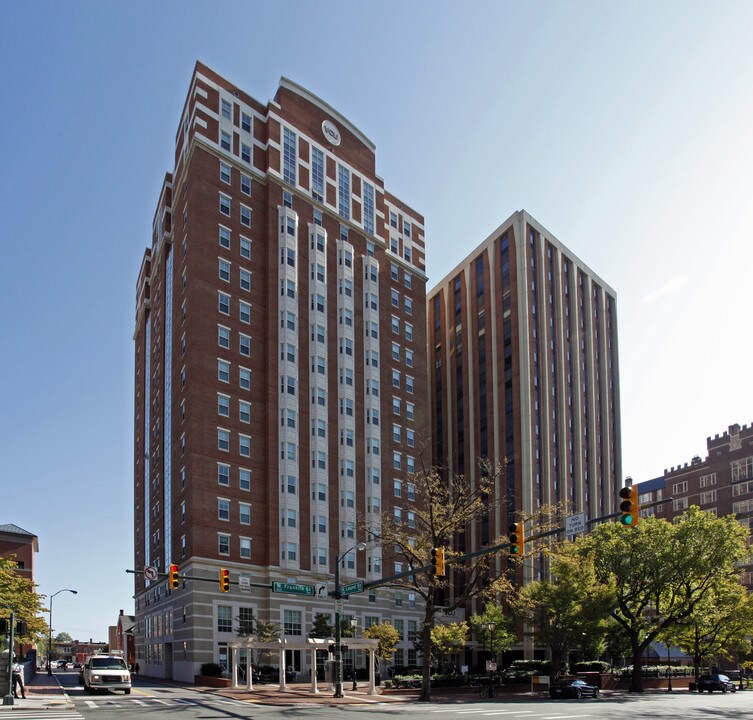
x=524, y=371
x=722, y=483
x=280, y=372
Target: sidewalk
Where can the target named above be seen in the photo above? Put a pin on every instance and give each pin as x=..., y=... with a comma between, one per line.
x=42, y=693
x=300, y=694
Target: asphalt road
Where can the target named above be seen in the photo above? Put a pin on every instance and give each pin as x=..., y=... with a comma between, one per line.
x=157, y=700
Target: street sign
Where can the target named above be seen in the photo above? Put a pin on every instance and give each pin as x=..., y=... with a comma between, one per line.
x=355, y=587
x=575, y=524
x=321, y=590
x=150, y=572
x=293, y=588
x=244, y=582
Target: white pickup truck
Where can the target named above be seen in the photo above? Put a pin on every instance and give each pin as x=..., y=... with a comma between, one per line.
x=106, y=672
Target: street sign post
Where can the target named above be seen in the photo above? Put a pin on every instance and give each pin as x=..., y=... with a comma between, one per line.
x=575, y=524
x=355, y=587
x=293, y=588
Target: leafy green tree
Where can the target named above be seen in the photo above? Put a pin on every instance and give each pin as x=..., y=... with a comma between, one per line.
x=63, y=637
x=446, y=505
x=569, y=610
x=388, y=638
x=321, y=627
x=448, y=639
x=662, y=571
x=18, y=594
x=266, y=631
x=719, y=626
x=494, y=628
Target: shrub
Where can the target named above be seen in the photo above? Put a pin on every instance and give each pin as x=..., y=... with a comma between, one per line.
x=592, y=666
x=211, y=670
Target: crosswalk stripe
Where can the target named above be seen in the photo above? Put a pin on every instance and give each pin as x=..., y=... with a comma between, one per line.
x=91, y=703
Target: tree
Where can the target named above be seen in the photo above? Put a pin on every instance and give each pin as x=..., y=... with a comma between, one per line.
x=567, y=611
x=388, y=638
x=718, y=627
x=265, y=631
x=17, y=593
x=63, y=637
x=494, y=628
x=447, y=505
x=321, y=627
x=662, y=571
x=448, y=639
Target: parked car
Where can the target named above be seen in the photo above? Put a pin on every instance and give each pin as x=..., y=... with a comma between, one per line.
x=573, y=689
x=715, y=682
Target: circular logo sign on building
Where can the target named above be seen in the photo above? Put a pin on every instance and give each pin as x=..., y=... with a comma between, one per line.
x=331, y=132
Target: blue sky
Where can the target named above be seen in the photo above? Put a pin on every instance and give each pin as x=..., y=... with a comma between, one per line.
x=623, y=127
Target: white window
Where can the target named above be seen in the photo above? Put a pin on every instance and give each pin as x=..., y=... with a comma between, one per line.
x=245, y=152
x=244, y=479
x=223, y=474
x=225, y=236
x=223, y=303
x=244, y=378
x=245, y=184
x=224, y=140
x=225, y=172
x=223, y=336
x=246, y=122
x=224, y=204
x=223, y=371
x=226, y=109
x=244, y=510
x=679, y=488
x=680, y=504
x=245, y=548
x=245, y=279
x=224, y=270
x=245, y=216
x=244, y=344
x=244, y=411
x=223, y=439
x=244, y=445
x=245, y=248
x=223, y=405
x=245, y=312
x=223, y=509
x=223, y=546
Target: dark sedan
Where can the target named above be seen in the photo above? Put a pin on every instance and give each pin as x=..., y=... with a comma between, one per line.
x=715, y=682
x=572, y=689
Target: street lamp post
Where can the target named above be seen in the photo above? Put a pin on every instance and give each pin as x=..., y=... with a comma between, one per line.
x=490, y=628
x=338, y=631
x=49, y=646
x=669, y=669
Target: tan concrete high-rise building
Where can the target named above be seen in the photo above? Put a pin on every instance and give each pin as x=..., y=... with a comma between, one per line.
x=523, y=370
x=280, y=374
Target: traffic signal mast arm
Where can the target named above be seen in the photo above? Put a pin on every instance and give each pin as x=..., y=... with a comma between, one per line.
x=497, y=548
x=183, y=576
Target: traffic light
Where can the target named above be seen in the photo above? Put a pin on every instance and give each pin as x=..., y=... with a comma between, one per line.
x=224, y=579
x=437, y=561
x=517, y=541
x=4, y=626
x=629, y=506
x=173, y=581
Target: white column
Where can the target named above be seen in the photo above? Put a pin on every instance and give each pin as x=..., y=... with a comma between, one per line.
x=233, y=666
x=314, y=687
x=372, y=677
x=249, y=668
x=283, y=685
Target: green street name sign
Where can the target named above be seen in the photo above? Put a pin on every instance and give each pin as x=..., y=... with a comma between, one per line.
x=355, y=587
x=293, y=588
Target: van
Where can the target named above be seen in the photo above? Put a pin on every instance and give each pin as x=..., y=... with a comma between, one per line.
x=106, y=672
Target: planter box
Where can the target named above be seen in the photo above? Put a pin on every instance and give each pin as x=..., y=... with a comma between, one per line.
x=216, y=682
